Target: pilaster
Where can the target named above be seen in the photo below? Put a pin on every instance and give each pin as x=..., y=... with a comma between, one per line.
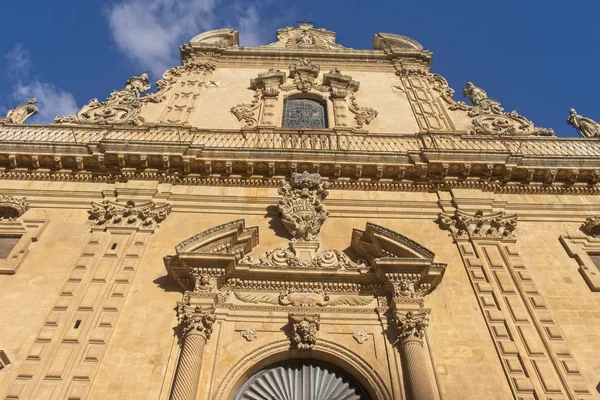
x=530, y=344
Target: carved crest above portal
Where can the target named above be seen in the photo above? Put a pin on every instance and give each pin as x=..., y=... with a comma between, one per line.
x=301, y=205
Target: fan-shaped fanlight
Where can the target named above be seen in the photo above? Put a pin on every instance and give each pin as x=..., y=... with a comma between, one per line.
x=306, y=381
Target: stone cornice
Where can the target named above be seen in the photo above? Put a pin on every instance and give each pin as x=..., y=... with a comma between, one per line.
x=188, y=156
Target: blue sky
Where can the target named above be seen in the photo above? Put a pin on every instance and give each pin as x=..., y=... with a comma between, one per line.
x=538, y=57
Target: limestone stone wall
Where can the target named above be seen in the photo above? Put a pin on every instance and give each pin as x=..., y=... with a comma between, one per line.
x=140, y=356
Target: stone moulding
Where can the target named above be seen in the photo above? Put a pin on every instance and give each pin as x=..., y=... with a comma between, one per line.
x=180, y=156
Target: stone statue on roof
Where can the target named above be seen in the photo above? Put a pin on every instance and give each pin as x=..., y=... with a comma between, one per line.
x=587, y=128
x=20, y=113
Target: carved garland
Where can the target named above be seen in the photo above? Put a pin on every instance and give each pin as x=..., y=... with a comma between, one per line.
x=147, y=215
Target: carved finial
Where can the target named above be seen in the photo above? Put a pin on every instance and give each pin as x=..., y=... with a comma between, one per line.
x=301, y=206
x=587, y=127
x=20, y=113
x=304, y=330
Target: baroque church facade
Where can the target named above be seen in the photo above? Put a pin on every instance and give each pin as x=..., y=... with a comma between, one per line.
x=298, y=220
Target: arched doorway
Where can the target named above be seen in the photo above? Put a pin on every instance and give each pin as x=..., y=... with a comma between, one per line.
x=301, y=380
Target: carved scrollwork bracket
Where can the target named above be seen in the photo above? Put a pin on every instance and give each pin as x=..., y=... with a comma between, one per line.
x=304, y=330
x=20, y=113
x=497, y=225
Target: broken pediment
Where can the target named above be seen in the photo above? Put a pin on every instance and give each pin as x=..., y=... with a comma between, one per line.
x=390, y=41
x=379, y=242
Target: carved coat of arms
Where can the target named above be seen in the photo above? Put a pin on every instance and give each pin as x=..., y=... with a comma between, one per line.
x=301, y=205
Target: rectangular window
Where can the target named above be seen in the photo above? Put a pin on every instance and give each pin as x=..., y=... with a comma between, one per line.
x=7, y=243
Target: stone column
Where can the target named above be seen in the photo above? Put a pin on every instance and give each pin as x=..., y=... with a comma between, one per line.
x=197, y=327
x=410, y=329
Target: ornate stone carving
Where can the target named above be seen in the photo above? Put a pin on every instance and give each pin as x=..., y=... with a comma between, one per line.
x=121, y=107
x=360, y=337
x=287, y=258
x=305, y=36
x=304, y=330
x=171, y=76
x=301, y=206
x=249, y=334
x=269, y=82
x=587, y=127
x=194, y=320
x=303, y=299
x=410, y=325
x=304, y=73
x=20, y=113
x=591, y=226
x=12, y=208
x=362, y=115
x=245, y=112
x=147, y=215
x=489, y=116
x=497, y=225
x=341, y=86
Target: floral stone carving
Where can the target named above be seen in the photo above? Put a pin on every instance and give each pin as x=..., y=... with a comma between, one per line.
x=121, y=107
x=301, y=206
x=12, y=207
x=490, y=118
x=410, y=325
x=303, y=299
x=195, y=320
x=304, y=330
x=20, y=113
x=287, y=258
x=147, y=215
x=495, y=225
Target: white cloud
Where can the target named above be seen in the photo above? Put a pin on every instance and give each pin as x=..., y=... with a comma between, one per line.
x=149, y=32
x=52, y=101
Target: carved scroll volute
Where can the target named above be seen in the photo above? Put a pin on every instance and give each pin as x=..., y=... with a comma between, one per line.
x=269, y=86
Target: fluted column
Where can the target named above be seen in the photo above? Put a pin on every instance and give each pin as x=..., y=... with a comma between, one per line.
x=197, y=327
x=410, y=329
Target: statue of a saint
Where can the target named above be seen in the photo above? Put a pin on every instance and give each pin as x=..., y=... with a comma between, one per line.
x=20, y=113
x=587, y=128
x=476, y=94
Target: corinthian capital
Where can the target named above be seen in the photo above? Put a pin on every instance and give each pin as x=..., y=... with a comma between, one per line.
x=195, y=320
x=497, y=225
x=411, y=325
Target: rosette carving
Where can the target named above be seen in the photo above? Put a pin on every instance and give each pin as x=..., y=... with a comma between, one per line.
x=301, y=206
